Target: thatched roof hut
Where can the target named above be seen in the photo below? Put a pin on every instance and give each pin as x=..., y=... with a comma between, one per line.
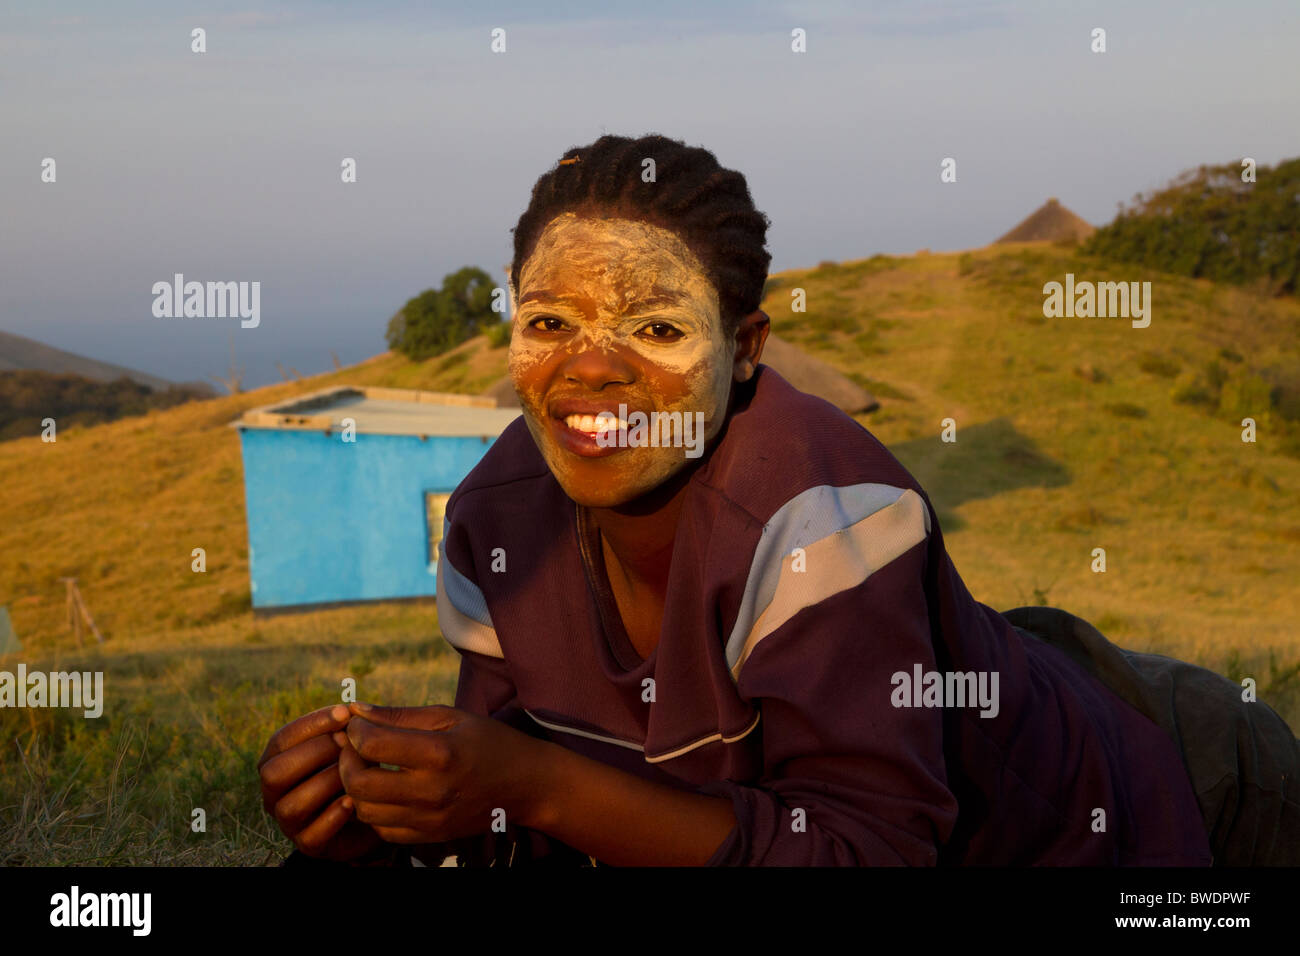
x=1050, y=221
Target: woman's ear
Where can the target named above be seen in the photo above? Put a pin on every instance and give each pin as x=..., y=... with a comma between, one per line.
x=750, y=336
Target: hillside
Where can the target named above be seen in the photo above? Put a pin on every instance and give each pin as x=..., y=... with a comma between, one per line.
x=18, y=353
x=1072, y=434
x=928, y=340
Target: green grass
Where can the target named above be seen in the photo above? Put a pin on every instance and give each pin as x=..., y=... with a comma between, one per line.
x=183, y=725
x=1072, y=434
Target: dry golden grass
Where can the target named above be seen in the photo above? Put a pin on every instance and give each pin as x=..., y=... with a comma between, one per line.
x=1200, y=529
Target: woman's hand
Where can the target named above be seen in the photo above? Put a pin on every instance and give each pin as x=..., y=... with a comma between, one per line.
x=459, y=772
x=302, y=789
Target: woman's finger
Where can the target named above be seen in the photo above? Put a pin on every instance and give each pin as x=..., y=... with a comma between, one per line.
x=399, y=746
x=282, y=773
x=365, y=781
x=296, y=808
x=318, y=722
x=315, y=837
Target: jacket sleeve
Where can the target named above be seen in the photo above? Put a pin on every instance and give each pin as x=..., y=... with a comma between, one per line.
x=485, y=687
x=852, y=775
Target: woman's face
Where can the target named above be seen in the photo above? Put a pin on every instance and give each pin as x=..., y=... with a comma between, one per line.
x=615, y=312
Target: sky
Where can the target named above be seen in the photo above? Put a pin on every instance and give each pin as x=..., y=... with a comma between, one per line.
x=225, y=165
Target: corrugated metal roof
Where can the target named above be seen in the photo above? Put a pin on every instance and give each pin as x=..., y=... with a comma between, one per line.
x=385, y=411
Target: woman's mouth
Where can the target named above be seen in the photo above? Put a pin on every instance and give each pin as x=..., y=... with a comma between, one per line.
x=588, y=435
x=595, y=424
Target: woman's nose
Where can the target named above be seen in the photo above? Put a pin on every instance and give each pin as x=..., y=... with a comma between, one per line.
x=597, y=366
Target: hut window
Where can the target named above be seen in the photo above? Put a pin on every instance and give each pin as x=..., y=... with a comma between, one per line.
x=435, y=507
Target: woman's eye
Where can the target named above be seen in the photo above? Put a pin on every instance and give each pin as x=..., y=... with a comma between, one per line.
x=547, y=323
x=662, y=331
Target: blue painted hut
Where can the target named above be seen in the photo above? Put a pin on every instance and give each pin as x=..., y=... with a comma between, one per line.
x=345, y=490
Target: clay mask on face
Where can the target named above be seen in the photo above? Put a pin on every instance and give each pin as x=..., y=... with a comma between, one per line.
x=616, y=311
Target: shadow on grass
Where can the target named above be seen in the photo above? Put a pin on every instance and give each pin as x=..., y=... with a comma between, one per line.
x=986, y=459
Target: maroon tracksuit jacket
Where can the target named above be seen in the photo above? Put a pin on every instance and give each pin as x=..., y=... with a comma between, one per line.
x=821, y=664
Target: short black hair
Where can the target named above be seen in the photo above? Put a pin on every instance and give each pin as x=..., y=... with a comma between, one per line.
x=693, y=196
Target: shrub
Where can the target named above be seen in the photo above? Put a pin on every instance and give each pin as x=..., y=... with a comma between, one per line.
x=1156, y=364
x=1126, y=410
x=1189, y=389
x=1209, y=224
x=1286, y=390
x=1245, y=394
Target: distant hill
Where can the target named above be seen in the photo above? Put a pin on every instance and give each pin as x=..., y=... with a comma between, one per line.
x=23, y=354
x=28, y=398
x=1050, y=221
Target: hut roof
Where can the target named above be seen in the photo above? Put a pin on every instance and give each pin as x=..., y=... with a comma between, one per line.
x=1050, y=221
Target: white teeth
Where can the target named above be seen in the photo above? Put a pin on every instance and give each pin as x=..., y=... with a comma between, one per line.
x=592, y=424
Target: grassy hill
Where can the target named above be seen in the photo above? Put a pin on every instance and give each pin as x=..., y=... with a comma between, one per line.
x=1072, y=434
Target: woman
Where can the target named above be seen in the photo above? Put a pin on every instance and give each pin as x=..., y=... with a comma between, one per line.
x=758, y=654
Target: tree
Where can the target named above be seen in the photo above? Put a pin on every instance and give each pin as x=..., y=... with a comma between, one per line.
x=1210, y=224
x=437, y=320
